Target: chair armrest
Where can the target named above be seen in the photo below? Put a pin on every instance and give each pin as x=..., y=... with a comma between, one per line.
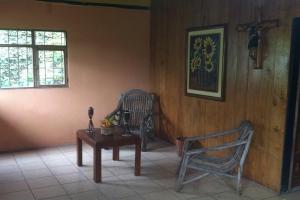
x=146, y=117
x=215, y=148
x=145, y=121
x=188, y=140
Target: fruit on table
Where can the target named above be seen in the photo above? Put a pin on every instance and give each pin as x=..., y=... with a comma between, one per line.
x=106, y=123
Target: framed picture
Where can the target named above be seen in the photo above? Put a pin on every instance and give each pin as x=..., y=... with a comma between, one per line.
x=205, y=62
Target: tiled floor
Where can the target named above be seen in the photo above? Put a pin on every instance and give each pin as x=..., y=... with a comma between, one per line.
x=52, y=174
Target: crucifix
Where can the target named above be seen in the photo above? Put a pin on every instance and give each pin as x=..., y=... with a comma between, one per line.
x=256, y=32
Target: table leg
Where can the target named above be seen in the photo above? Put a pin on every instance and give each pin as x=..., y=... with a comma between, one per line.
x=79, y=151
x=97, y=164
x=116, y=153
x=137, y=169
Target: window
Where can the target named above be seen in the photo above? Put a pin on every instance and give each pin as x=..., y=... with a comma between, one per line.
x=31, y=58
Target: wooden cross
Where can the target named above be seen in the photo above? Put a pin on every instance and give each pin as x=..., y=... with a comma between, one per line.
x=256, y=31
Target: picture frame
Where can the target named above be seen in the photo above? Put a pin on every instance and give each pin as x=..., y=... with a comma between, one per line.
x=206, y=62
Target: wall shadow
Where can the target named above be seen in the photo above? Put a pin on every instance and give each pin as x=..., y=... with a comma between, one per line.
x=162, y=124
x=12, y=137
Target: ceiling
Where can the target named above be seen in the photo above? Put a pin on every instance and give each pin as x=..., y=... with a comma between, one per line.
x=130, y=3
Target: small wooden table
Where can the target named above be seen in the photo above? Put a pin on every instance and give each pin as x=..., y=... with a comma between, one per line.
x=99, y=141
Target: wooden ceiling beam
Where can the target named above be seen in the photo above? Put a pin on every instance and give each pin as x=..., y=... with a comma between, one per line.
x=94, y=3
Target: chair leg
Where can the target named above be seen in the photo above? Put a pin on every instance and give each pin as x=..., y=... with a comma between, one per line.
x=181, y=175
x=179, y=167
x=239, y=179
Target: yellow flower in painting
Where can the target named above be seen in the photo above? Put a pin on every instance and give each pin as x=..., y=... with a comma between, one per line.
x=195, y=63
x=209, y=47
x=209, y=65
x=198, y=43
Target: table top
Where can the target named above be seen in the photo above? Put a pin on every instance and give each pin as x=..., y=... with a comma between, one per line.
x=116, y=139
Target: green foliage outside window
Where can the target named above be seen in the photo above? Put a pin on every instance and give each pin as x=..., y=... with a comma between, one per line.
x=32, y=58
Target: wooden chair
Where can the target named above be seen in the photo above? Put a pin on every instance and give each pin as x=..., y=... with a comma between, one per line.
x=230, y=165
x=139, y=104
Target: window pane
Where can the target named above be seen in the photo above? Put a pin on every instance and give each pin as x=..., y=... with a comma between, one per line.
x=50, y=38
x=16, y=68
x=51, y=68
x=15, y=37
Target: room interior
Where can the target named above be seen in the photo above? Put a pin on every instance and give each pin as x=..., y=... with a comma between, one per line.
x=114, y=46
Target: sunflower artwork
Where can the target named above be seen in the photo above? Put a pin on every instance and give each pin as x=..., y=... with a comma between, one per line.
x=205, y=63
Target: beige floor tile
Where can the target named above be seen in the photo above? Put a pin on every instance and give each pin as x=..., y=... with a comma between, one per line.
x=11, y=177
x=135, y=197
x=280, y=198
x=32, y=166
x=28, y=160
x=157, y=181
x=168, y=182
x=203, y=198
x=156, y=157
x=115, y=190
x=186, y=195
x=90, y=195
x=117, y=171
x=7, y=162
x=23, y=195
x=57, y=163
x=206, y=186
x=132, y=177
x=42, y=182
x=67, y=148
x=161, y=195
x=48, y=192
x=61, y=198
x=70, y=178
x=258, y=192
x=230, y=196
x=6, y=156
x=291, y=196
x=39, y=173
x=144, y=186
x=69, y=169
x=53, y=157
x=77, y=187
x=13, y=187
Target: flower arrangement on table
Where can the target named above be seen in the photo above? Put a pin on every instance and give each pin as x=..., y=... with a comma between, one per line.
x=108, y=123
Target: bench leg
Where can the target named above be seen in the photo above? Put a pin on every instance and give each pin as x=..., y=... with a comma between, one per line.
x=97, y=164
x=79, y=152
x=137, y=169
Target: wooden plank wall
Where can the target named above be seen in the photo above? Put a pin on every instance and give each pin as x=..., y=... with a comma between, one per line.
x=256, y=95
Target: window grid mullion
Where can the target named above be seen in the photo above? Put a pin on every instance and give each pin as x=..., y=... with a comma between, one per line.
x=27, y=63
x=8, y=58
x=34, y=60
x=45, y=67
x=44, y=39
x=8, y=37
x=18, y=58
x=53, y=67
x=8, y=66
x=18, y=53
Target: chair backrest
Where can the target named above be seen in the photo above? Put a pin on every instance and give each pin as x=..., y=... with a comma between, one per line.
x=245, y=135
x=139, y=103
